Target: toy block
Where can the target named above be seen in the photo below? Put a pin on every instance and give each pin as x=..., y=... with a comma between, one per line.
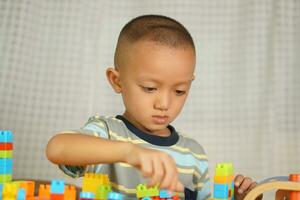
x=4, y=178
x=44, y=191
x=114, y=196
x=102, y=191
x=146, y=198
x=6, y=136
x=5, y=165
x=91, y=182
x=221, y=191
x=6, y=146
x=57, y=187
x=28, y=186
x=10, y=191
x=176, y=197
x=87, y=195
x=223, y=179
x=294, y=195
x=6, y=153
x=224, y=169
x=56, y=196
x=70, y=192
x=143, y=191
x=165, y=194
x=21, y=194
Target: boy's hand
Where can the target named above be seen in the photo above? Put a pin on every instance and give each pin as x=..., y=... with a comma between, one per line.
x=243, y=185
x=156, y=165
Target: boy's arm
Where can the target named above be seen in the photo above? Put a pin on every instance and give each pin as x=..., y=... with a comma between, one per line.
x=82, y=150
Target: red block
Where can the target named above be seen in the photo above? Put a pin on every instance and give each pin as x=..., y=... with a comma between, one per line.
x=6, y=146
x=56, y=196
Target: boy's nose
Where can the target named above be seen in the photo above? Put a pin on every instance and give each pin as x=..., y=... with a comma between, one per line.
x=162, y=101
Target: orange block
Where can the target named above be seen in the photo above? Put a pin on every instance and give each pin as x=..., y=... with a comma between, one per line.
x=294, y=195
x=223, y=179
x=44, y=191
x=70, y=192
x=28, y=186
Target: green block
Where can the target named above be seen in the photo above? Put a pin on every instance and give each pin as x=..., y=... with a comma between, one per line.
x=4, y=178
x=102, y=191
x=224, y=169
x=143, y=191
x=5, y=153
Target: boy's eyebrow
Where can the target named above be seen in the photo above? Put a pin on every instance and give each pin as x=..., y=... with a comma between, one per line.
x=186, y=81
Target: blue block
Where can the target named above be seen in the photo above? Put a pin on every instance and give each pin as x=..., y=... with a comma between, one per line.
x=21, y=194
x=146, y=198
x=87, y=195
x=57, y=187
x=114, y=196
x=165, y=194
x=6, y=136
x=220, y=191
x=5, y=165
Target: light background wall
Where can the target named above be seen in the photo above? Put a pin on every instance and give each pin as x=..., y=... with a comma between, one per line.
x=244, y=106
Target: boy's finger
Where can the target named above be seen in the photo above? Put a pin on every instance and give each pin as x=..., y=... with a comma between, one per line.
x=244, y=186
x=253, y=184
x=170, y=172
x=158, y=173
x=238, y=180
x=146, y=168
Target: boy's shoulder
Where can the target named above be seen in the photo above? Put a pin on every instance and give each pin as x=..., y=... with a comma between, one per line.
x=190, y=143
x=101, y=118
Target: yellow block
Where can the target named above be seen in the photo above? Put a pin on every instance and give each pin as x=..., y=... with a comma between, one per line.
x=92, y=181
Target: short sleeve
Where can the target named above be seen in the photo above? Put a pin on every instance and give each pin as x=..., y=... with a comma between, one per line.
x=96, y=126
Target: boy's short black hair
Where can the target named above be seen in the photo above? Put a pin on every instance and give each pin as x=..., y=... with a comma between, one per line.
x=157, y=28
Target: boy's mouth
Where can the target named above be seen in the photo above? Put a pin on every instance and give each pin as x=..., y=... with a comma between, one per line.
x=158, y=119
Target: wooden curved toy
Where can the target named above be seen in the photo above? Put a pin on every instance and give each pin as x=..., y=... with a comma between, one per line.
x=283, y=189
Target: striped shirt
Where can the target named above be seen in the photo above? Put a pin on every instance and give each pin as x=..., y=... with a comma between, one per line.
x=188, y=154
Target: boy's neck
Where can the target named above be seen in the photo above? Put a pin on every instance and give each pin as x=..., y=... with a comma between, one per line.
x=162, y=133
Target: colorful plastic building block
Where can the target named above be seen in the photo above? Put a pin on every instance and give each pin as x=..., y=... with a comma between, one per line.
x=6, y=136
x=102, y=191
x=5, y=165
x=57, y=187
x=92, y=181
x=87, y=195
x=10, y=191
x=142, y=191
x=70, y=192
x=223, y=182
x=114, y=196
x=165, y=194
x=44, y=191
x=21, y=194
x=28, y=186
x=294, y=195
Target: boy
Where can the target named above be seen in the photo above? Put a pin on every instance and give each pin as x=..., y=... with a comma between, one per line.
x=154, y=68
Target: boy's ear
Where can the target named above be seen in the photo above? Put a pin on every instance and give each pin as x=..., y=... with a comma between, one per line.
x=113, y=76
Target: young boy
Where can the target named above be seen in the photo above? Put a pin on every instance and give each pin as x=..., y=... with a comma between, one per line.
x=154, y=68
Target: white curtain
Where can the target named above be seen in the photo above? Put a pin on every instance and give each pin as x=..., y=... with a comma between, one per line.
x=244, y=106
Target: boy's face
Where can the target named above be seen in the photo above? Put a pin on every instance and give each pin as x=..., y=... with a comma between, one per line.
x=154, y=81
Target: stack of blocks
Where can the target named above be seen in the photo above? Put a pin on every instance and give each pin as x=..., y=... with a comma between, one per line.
x=6, y=149
x=223, y=182
x=152, y=193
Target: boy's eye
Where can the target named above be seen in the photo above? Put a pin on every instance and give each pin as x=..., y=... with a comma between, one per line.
x=179, y=92
x=149, y=89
